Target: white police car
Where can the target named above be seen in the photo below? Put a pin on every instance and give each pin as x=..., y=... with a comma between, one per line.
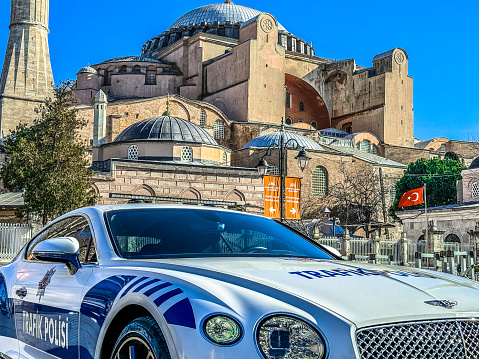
x=151, y=281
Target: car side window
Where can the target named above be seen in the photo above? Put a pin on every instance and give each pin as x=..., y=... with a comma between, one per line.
x=76, y=227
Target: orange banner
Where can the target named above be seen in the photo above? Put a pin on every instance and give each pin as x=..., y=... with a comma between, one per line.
x=292, y=194
x=272, y=186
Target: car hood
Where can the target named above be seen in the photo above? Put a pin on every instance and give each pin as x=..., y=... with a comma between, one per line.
x=364, y=294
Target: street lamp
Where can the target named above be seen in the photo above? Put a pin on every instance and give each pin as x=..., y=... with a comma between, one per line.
x=302, y=158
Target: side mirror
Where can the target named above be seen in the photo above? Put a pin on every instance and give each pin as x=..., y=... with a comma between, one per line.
x=61, y=249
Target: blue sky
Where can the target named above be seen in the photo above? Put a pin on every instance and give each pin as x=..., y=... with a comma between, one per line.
x=441, y=39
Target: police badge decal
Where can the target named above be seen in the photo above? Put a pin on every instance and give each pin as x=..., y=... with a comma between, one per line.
x=44, y=282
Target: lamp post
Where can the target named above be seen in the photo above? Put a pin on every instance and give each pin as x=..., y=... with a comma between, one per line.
x=302, y=158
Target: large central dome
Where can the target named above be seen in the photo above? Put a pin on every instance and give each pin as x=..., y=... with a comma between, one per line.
x=226, y=12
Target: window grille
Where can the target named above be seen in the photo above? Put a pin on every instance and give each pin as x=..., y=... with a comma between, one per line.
x=203, y=118
x=475, y=189
x=136, y=69
x=288, y=100
x=320, y=180
x=273, y=170
x=187, y=154
x=133, y=152
x=301, y=105
x=219, y=130
x=150, y=79
x=122, y=69
x=225, y=158
x=314, y=124
x=288, y=121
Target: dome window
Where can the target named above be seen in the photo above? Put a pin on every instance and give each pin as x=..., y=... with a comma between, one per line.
x=219, y=130
x=133, y=152
x=186, y=154
x=288, y=121
x=475, y=190
x=320, y=180
x=203, y=118
x=136, y=69
x=314, y=124
x=122, y=69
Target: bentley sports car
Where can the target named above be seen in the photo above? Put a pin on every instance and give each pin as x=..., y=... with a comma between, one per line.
x=142, y=281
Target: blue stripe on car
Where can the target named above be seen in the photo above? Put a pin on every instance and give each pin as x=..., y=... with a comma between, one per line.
x=7, y=319
x=100, y=298
x=94, y=309
x=164, y=297
x=146, y=284
x=139, y=280
x=155, y=289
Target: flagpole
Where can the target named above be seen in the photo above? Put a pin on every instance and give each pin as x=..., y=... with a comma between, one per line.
x=425, y=212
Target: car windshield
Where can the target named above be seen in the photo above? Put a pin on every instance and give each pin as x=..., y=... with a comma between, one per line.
x=180, y=232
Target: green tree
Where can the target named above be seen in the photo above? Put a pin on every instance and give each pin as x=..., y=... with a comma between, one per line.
x=440, y=177
x=47, y=160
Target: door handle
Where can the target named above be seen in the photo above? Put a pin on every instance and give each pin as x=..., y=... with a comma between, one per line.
x=22, y=292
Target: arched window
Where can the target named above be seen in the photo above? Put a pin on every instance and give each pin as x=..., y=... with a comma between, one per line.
x=475, y=190
x=133, y=152
x=225, y=158
x=273, y=170
x=452, y=238
x=288, y=121
x=122, y=69
x=107, y=78
x=288, y=100
x=314, y=124
x=136, y=69
x=219, y=130
x=187, y=154
x=320, y=180
x=150, y=76
x=203, y=118
x=301, y=105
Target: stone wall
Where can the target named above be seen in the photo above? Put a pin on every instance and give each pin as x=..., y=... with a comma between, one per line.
x=242, y=185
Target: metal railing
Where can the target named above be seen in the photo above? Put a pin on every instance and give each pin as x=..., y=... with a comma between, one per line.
x=12, y=238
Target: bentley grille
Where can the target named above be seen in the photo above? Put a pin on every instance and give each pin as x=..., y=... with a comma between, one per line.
x=445, y=339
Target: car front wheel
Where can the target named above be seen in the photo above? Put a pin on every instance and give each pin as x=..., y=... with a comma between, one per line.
x=141, y=339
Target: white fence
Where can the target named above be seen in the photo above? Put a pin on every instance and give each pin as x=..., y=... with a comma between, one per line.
x=12, y=238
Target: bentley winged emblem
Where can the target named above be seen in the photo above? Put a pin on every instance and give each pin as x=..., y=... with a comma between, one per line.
x=445, y=303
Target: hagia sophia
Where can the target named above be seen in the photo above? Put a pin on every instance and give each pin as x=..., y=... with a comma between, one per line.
x=188, y=118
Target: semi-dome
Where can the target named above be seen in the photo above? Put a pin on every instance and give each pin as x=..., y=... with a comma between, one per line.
x=266, y=140
x=87, y=69
x=226, y=12
x=166, y=128
x=474, y=164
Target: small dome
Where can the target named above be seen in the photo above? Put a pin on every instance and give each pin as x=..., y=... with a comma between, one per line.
x=226, y=12
x=88, y=69
x=130, y=59
x=474, y=164
x=274, y=137
x=166, y=128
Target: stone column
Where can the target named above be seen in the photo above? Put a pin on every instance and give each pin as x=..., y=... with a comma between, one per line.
x=404, y=249
x=346, y=243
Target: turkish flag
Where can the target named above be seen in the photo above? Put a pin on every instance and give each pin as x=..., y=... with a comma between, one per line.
x=412, y=197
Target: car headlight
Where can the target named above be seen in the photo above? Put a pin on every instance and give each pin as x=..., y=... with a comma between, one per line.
x=222, y=330
x=288, y=337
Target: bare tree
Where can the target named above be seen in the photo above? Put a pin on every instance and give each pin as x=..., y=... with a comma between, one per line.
x=358, y=198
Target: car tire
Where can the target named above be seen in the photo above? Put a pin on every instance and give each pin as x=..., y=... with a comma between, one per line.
x=141, y=339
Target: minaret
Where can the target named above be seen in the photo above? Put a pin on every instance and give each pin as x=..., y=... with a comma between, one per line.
x=26, y=78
